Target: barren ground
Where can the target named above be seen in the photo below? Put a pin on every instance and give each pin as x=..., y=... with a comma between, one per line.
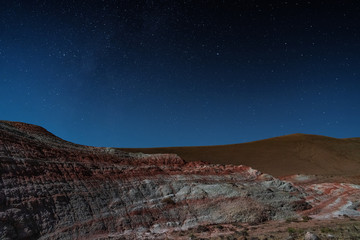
x=280, y=156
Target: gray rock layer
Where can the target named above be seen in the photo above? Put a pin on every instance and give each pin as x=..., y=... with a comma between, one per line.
x=53, y=189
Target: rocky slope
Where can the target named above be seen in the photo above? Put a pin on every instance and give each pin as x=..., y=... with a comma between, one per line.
x=54, y=189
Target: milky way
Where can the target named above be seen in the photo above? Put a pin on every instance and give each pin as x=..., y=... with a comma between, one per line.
x=172, y=73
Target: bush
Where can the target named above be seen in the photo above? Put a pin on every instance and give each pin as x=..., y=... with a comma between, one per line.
x=326, y=230
x=244, y=233
x=291, y=230
x=192, y=236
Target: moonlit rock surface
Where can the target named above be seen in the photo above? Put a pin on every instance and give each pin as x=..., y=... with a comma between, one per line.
x=54, y=189
x=311, y=236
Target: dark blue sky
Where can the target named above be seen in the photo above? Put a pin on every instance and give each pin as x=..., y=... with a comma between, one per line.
x=175, y=73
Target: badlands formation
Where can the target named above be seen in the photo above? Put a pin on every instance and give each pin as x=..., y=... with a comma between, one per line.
x=54, y=189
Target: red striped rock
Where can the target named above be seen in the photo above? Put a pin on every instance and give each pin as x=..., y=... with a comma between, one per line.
x=54, y=189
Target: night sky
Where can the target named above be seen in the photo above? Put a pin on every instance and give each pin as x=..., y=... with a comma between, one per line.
x=181, y=73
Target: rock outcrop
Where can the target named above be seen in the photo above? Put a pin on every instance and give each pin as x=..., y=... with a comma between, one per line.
x=311, y=236
x=54, y=189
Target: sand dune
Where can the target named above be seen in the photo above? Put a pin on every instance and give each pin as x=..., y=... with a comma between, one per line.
x=280, y=156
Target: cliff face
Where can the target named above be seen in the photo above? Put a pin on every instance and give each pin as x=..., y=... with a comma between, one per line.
x=53, y=189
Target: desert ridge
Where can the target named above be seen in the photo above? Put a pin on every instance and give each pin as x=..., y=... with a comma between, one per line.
x=279, y=156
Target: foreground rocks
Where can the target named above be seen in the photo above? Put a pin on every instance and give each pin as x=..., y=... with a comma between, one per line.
x=53, y=189
x=311, y=236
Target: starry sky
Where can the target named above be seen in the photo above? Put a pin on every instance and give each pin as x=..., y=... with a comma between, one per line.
x=148, y=73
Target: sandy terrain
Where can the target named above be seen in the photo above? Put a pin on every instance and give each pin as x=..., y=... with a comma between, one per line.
x=280, y=156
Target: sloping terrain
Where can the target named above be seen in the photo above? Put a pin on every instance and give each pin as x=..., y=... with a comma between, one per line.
x=54, y=189
x=280, y=156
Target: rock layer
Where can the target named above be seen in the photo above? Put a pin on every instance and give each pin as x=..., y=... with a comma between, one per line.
x=53, y=189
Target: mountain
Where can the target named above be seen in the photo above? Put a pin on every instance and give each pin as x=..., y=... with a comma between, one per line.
x=54, y=189
x=279, y=156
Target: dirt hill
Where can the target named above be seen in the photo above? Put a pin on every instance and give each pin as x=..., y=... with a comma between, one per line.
x=280, y=156
x=54, y=189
